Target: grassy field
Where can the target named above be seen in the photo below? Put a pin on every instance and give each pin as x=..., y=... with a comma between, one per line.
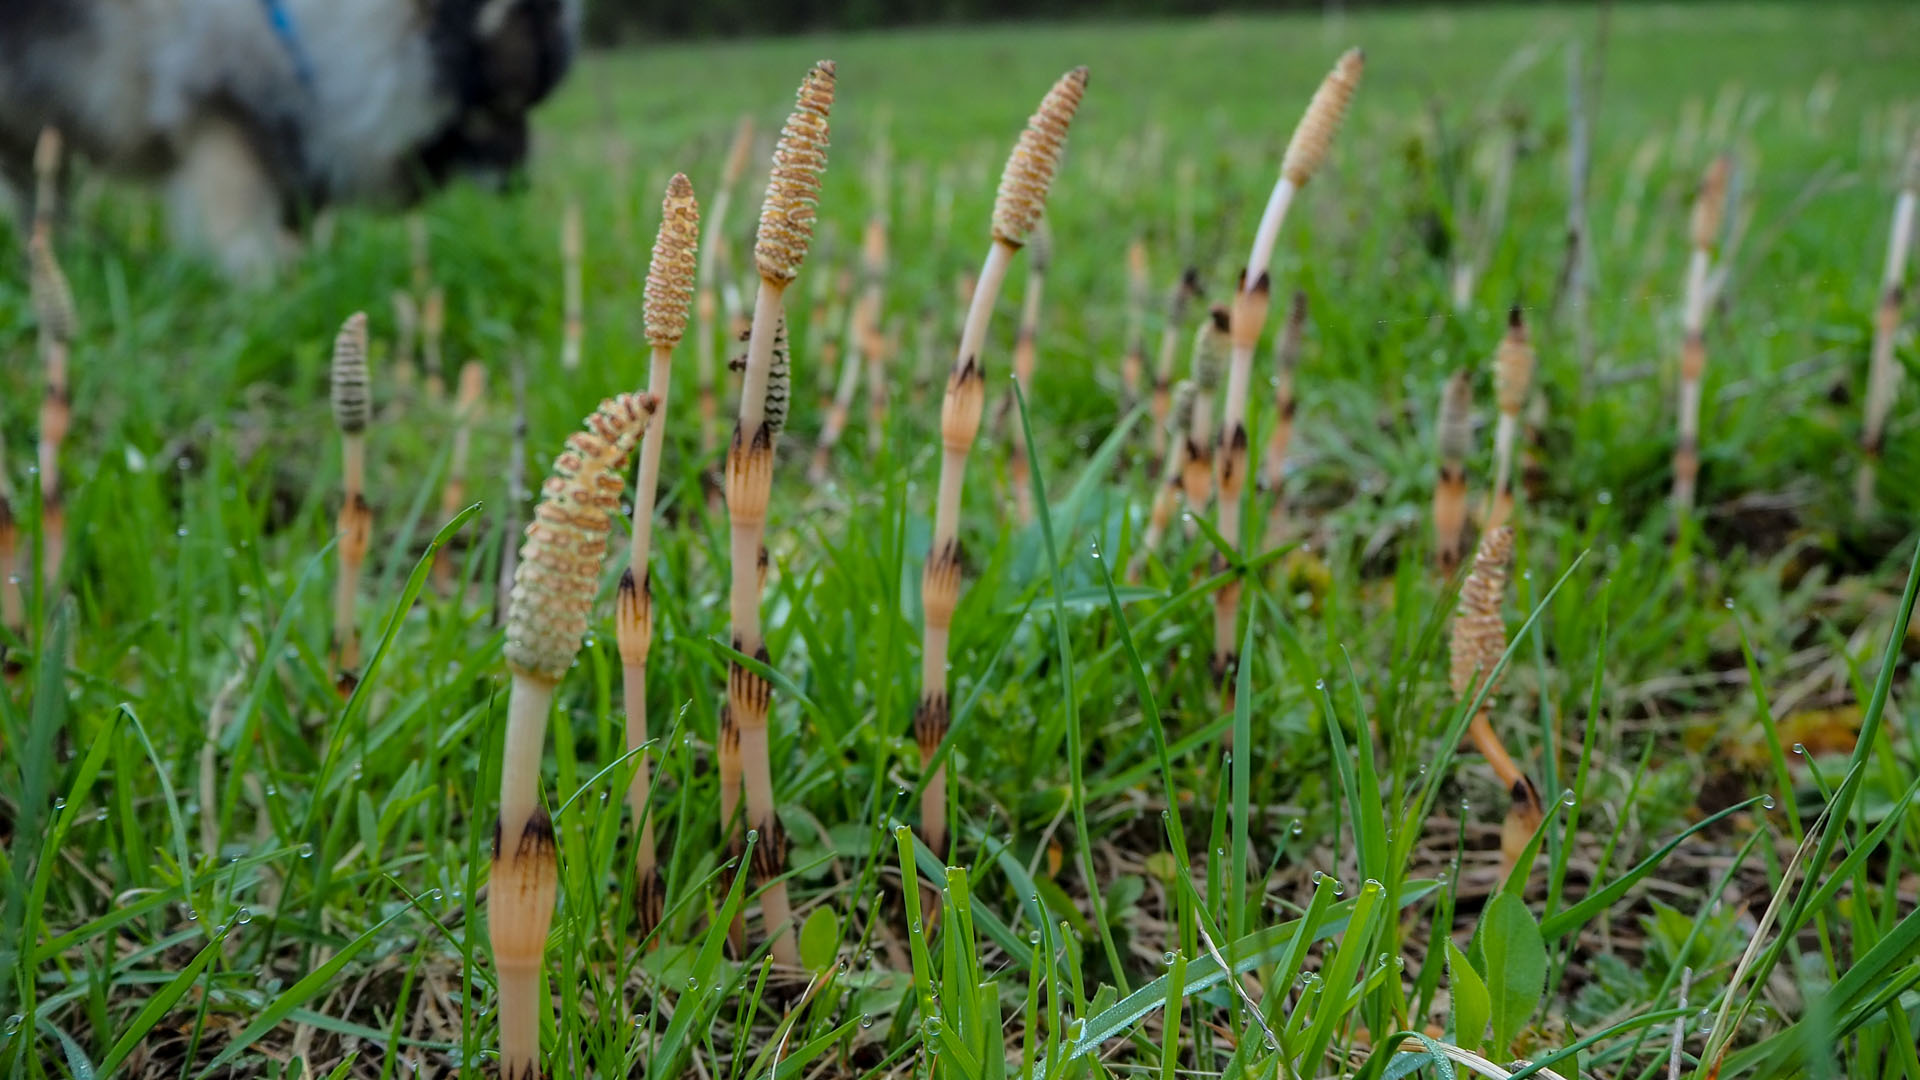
x=217, y=865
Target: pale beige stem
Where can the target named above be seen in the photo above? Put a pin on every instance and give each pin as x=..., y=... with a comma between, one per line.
x=940, y=588
x=524, y=882
x=572, y=244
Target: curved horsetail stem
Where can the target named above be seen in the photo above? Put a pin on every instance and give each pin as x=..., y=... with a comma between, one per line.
x=553, y=589
x=466, y=405
x=1273, y=467
x=59, y=323
x=780, y=246
x=1022, y=196
x=1185, y=292
x=433, y=325
x=1709, y=208
x=1883, y=373
x=1133, y=362
x=1512, y=381
x=1167, y=492
x=352, y=412
x=1306, y=153
x=573, y=300
x=872, y=335
x=1453, y=441
x=1479, y=639
x=669, y=293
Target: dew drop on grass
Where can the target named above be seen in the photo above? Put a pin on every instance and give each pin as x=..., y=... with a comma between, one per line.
x=753, y=836
x=1033, y=937
x=866, y=1020
x=1318, y=876
x=12, y=1025
x=1296, y=828
x=1373, y=885
x=1339, y=887
x=243, y=916
x=59, y=804
x=1568, y=798
x=1319, y=684
x=1167, y=959
x=916, y=926
x=935, y=1027
x=1800, y=748
x=1605, y=498
x=1766, y=802
x=306, y=851
x=192, y=915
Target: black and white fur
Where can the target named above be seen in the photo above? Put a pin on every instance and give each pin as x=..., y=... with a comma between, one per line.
x=251, y=130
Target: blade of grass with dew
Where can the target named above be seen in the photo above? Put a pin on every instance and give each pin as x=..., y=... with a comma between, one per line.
x=1076, y=761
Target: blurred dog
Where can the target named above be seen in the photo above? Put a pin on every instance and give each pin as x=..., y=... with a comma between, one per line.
x=257, y=113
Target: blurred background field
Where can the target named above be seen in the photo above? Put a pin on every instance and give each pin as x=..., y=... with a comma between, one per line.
x=203, y=479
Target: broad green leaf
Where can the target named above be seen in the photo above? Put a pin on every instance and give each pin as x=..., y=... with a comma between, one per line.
x=1516, y=966
x=1471, y=1006
x=819, y=939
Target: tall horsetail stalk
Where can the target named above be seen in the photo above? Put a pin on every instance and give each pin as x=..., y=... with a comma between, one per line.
x=1016, y=210
x=553, y=590
x=1133, y=363
x=1167, y=492
x=706, y=303
x=433, y=325
x=572, y=251
x=1709, y=206
x=669, y=292
x=1273, y=464
x=786, y=230
x=1025, y=353
x=59, y=324
x=466, y=405
x=1453, y=441
x=1185, y=292
x=1211, y=344
x=1479, y=640
x=1512, y=378
x=872, y=337
x=1883, y=373
x=352, y=412
x=1305, y=154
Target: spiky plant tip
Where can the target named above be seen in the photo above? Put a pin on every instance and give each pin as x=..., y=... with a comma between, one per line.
x=1307, y=150
x=352, y=403
x=793, y=185
x=1479, y=632
x=559, y=564
x=1036, y=157
x=52, y=295
x=670, y=276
